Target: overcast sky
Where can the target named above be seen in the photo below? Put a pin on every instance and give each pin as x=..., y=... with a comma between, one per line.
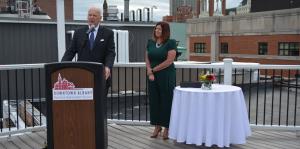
x=80, y=6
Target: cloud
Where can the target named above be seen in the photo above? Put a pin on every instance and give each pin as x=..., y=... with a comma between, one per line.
x=232, y=3
x=81, y=8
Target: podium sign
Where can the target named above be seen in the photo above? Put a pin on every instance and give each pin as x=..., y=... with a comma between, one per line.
x=76, y=114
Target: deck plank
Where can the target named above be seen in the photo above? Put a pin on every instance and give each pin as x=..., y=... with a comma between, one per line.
x=287, y=139
x=144, y=137
x=20, y=143
x=114, y=145
x=256, y=141
x=31, y=142
x=112, y=142
x=171, y=144
x=136, y=137
x=2, y=146
x=42, y=134
x=9, y=144
x=128, y=145
x=40, y=141
x=126, y=139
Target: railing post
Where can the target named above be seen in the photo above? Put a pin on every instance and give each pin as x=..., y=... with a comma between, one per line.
x=227, y=71
x=61, y=39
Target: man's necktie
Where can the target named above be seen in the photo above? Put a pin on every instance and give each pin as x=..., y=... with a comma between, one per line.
x=92, y=39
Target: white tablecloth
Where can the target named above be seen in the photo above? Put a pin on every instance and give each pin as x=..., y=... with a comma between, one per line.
x=217, y=116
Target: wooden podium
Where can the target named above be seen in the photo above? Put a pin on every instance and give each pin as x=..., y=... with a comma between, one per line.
x=76, y=106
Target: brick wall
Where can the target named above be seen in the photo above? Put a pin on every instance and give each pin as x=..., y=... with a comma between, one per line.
x=200, y=58
x=246, y=45
x=49, y=7
x=244, y=32
x=202, y=39
x=168, y=18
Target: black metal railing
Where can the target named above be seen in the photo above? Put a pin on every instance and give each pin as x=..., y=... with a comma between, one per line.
x=271, y=100
x=22, y=97
x=127, y=99
x=271, y=93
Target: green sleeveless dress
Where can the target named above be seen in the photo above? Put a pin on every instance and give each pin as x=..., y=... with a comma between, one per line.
x=161, y=89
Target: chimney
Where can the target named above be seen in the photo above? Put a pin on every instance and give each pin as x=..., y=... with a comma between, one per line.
x=197, y=8
x=105, y=14
x=224, y=7
x=211, y=7
x=126, y=10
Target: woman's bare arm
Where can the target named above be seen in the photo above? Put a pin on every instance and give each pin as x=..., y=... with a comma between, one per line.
x=148, y=66
x=170, y=59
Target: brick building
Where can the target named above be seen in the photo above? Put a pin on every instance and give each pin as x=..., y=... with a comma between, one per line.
x=270, y=37
x=181, y=10
x=174, y=4
x=49, y=7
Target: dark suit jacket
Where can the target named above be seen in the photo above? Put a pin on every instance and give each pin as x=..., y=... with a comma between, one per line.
x=102, y=52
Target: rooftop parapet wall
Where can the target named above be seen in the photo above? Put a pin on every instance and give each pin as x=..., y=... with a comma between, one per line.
x=260, y=23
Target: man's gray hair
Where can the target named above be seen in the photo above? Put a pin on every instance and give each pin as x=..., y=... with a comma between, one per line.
x=95, y=7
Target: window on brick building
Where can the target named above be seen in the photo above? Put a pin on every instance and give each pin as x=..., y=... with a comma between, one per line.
x=288, y=48
x=199, y=47
x=224, y=47
x=262, y=48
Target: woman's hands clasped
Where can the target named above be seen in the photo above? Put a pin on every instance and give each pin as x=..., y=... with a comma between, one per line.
x=150, y=74
x=151, y=77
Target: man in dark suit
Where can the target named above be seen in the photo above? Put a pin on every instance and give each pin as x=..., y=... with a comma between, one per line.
x=94, y=43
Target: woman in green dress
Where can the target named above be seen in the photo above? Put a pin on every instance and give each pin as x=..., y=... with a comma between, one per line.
x=160, y=56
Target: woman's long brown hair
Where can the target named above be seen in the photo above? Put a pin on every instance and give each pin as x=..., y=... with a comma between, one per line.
x=165, y=31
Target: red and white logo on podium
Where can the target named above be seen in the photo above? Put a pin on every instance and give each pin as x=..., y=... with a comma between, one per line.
x=66, y=90
x=63, y=84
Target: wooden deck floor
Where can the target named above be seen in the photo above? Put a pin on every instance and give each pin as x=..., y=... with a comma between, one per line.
x=137, y=137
